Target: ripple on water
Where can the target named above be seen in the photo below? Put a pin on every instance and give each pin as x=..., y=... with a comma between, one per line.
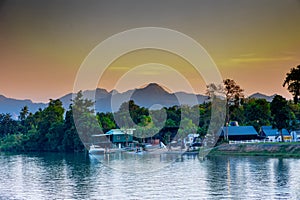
x=75, y=176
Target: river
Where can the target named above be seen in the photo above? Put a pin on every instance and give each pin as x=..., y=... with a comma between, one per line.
x=77, y=176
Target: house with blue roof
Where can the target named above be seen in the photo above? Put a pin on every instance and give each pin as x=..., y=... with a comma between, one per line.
x=239, y=133
x=296, y=135
x=119, y=137
x=273, y=134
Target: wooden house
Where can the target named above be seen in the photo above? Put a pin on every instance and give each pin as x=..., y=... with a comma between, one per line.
x=119, y=137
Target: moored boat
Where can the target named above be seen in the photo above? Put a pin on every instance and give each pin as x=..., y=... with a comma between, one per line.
x=94, y=149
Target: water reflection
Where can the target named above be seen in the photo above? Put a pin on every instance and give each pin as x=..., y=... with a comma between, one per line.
x=77, y=176
x=136, y=163
x=252, y=177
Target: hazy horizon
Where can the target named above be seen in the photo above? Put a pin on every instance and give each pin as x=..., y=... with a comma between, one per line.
x=43, y=43
x=109, y=91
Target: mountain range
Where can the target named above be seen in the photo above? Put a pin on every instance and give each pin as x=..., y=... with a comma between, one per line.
x=262, y=96
x=152, y=94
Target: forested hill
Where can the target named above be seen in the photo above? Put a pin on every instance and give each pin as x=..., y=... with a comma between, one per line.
x=145, y=97
x=13, y=106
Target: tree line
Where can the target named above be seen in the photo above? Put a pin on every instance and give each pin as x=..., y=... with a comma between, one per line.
x=51, y=130
x=54, y=129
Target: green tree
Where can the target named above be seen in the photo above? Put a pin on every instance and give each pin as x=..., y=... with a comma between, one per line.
x=158, y=117
x=129, y=115
x=7, y=125
x=295, y=117
x=166, y=139
x=187, y=127
x=47, y=118
x=107, y=121
x=142, y=132
x=24, y=113
x=137, y=113
x=292, y=80
x=233, y=94
x=30, y=140
x=205, y=112
x=26, y=120
x=173, y=116
x=257, y=112
x=85, y=120
x=12, y=142
x=238, y=114
x=123, y=116
x=170, y=123
x=55, y=136
x=71, y=141
x=280, y=113
x=29, y=122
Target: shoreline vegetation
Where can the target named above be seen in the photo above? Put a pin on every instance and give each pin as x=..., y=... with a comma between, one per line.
x=271, y=149
x=55, y=129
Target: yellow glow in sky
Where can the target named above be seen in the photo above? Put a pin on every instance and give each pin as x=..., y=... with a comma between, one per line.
x=42, y=44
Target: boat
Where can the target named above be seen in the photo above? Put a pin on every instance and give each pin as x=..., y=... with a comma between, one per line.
x=133, y=150
x=159, y=148
x=94, y=149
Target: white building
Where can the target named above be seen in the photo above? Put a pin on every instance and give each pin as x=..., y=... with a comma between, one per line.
x=296, y=135
x=273, y=135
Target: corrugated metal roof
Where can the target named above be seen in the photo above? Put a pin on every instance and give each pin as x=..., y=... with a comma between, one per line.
x=115, y=132
x=269, y=131
x=239, y=130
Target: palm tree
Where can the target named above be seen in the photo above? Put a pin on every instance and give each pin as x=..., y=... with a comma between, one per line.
x=292, y=80
x=24, y=113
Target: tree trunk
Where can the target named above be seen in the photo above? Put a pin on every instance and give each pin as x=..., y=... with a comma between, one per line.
x=281, y=135
x=227, y=120
x=295, y=99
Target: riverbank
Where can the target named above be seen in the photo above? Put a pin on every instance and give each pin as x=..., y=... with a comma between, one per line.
x=259, y=149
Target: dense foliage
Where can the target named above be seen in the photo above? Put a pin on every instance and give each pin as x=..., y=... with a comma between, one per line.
x=53, y=128
x=292, y=81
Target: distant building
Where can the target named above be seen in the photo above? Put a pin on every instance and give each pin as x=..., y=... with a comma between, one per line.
x=273, y=135
x=296, y=135
x=190, y=138
x=120, y=137
x=239, y=133
x=234, y=123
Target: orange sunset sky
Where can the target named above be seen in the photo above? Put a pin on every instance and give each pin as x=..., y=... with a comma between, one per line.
x=43, y=43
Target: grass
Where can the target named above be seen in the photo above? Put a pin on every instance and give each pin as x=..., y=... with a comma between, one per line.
x=273, y=149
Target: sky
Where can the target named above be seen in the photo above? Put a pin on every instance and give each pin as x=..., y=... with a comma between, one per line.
x=44, y=43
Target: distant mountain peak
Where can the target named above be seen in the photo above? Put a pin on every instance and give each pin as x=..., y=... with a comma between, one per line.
x=145, y=96
x=155, y=87
x=114, y=91
x=150, y=85
x=2, y=97
x=14, y=106
x=258, y=95
x=101, y=90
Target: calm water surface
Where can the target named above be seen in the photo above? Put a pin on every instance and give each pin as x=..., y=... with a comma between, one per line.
x=76, y=176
